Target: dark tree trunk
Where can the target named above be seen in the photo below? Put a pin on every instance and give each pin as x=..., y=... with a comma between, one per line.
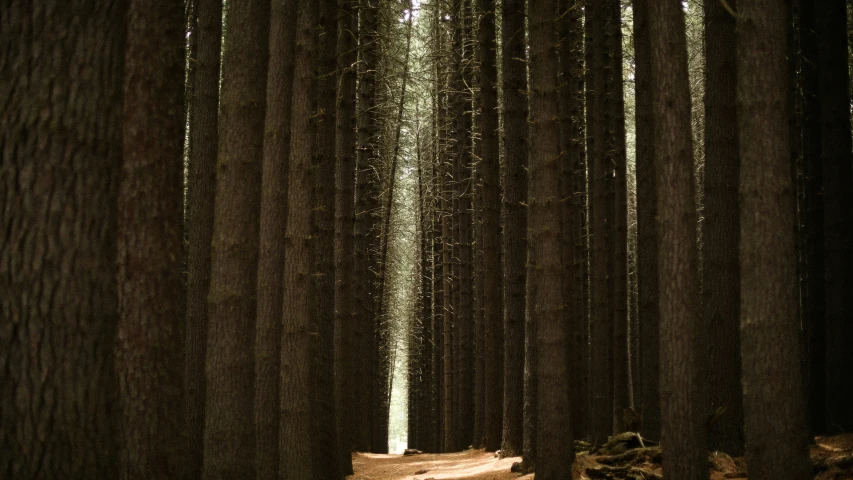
x=61, y=158
x=272, y=238
x=367, y=186
x=201, y=190
x=601, y=327
x=150, y=341
x=812, y=218
x=681, y=429
x=769, y=320
x=491, y=230
x=297, y=409
x=615, y=161
x=834, y=97
x=229, y=439
x=514, y=219
x=346, y=372
x=325, y=445
x=647, y=247
x=554, y=445
x=719, y=337
x=570, y=167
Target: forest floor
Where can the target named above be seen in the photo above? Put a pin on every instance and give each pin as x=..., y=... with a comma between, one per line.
x=832, y=458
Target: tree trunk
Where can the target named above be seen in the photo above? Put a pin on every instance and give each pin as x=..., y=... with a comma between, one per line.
x=571, y=163
x=150, y=339
x=514, y=219
x=769, y=321
x=297, y=438
x=554, y=443
x=366, y=194
x=720, y=329
x=647, y=247
x=601, y=327
x=834, y=97
x=272, y=225
x=681, y=429
x=61, y=158
x=201, y=190
x=346, y=373
x=491, y=230
x=325, y=445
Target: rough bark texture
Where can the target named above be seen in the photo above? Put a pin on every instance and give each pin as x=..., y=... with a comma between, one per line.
x=150, y=341
x=774, y=410
x=345, y=151
x=831, y=22
x=571, y=162
x=296, y=442
x=681, y=429
x=61, y=157
x=272, y=225
x=322, y=289
x=514, y=177
x=201, y=190
x=647, y=247
x=554, y=445
x=601, y=326
x=229, y=439
x=720, y=328
x=367, y=186
x=491, y=230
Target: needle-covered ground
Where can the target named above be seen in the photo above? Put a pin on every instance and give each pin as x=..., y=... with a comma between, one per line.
x=621, y=458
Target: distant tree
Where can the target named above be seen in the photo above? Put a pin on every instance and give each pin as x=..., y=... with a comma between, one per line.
x=296, y=448
x=720, y=334
x=229, y=439
x=769, y=322
x=834, y=97
x=491, y=234
x=346, y=373
x=554, y=443
x=61, y=159
x=647, y=245
x=272, y=237
x=514, y=181
x=150, y=340
x=681, y=430
x=201, y=189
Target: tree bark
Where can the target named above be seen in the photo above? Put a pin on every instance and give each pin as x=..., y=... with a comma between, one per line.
x=769, y=320
x=272, y=237
x=554, y=443
x=201, y=192
x=150, y=340
x=834, y=97
x=514, y=90
x=647, y=247
x=297, y=428
x=720, y=335
x=61, y=158
x=681, y=428
x=346, y=373
x=571, y=163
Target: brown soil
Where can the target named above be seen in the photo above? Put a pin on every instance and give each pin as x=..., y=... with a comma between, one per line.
x=831, y=456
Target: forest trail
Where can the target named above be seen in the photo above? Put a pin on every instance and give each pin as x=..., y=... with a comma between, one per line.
x=832, y=458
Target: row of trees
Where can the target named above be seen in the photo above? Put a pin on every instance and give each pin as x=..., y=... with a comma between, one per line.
x=300, y=122
x=718, y=323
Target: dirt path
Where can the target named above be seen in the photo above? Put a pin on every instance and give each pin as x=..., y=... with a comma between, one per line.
x=467, y=465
